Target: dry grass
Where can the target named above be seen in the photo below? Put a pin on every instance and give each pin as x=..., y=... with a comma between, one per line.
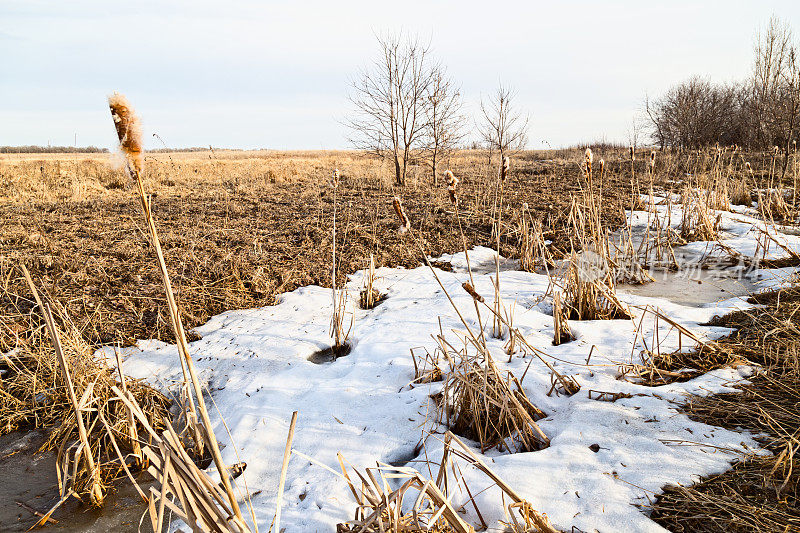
x=231, y=246
x=761, y=493
x=481, y=404
x=380, y=509
x=55, y=381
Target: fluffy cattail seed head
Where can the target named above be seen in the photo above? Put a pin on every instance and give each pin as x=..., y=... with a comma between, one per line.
x=335, y=178
x=472, y=292
x=602, y=165
x=588, y=157
x=504, y=167
x=452, y=183
x=129, y=130
x=405, y=223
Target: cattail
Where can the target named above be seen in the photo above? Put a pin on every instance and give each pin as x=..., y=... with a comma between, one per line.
x=602, y=166
x=335, y=178
x=588, y=157
x=405, y=224
x=129, y=130
x=452, y=183
x=652, y=161
x=504, y=168
x=472, y=292
x=633, y=153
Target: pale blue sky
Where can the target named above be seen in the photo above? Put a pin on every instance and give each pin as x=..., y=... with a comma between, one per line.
x=275, y=74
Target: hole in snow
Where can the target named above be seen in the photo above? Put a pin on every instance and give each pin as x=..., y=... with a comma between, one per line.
x=330, y=354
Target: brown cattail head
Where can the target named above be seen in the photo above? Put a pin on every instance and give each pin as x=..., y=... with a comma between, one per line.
x=588, y=157
x=472, y=292
x=335, y=178
x=633, y=153
x=504, y=168
x=602, y=166
x=652, y=160
x=452, y=183
x=129, y=130
x=405, y=223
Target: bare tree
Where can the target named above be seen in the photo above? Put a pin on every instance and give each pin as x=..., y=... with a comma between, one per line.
x=696, y=113
x=775, y=85
x=445, y=121
x=503, y=128
x=635, y=131
x=391, y=104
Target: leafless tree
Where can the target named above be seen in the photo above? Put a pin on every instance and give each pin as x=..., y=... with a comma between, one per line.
x=503, y=128
x=635, y=130
x=390, y=102
x=695, y=113
x=775, y=85
x=445, y=121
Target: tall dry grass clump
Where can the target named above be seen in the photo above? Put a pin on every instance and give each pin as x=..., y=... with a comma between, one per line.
x=381, y=509
x=698, y=222
x=587, y=277
x=482, y=404
x=533, y=251
x=369, y=295
x=54, y=380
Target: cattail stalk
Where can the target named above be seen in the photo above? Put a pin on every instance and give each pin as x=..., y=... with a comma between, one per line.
x=129, y=133
x=405, y=223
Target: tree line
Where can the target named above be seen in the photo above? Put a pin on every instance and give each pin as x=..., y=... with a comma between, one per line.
x=408, y=110
x=760, y=112
x=35, y=149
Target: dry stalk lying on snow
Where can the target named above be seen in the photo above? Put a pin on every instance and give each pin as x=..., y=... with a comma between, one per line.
x=184, y=489
x=660, y=367
x=381, y=509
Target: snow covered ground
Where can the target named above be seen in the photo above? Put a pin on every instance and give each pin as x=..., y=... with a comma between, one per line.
x=255, y=364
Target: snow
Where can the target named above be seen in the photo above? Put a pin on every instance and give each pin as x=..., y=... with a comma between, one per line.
x=255, y=365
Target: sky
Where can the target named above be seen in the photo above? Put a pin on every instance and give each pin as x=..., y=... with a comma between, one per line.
x=262, y=74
